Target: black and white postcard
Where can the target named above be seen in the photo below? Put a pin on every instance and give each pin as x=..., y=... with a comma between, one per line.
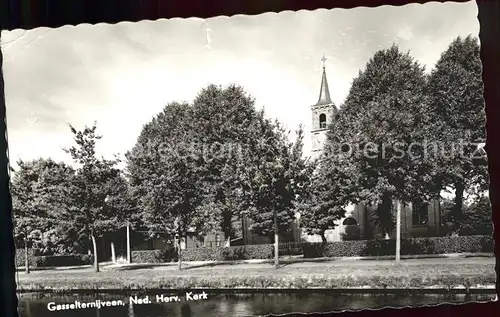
x=292, y=162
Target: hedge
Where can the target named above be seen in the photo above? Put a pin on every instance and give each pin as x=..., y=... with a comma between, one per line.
x=52, y=260
x=352, y=248
x=244, y=252
x=63, y=260
x=151, y=256
x=247, y=252
x=409, y=246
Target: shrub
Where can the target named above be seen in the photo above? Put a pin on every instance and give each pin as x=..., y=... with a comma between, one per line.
x=21, y=257
x=63, y=260
x=409, y=246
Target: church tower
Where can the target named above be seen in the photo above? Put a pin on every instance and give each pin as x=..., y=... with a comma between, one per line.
x=323, y=112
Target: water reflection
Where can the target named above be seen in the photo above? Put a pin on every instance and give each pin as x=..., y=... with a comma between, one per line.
x=35, y=305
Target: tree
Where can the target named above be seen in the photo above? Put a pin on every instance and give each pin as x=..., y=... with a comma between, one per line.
x=226, y=124
x=204, y=158
x=40, y=191
x=276, y=178
x=456, y=107
x=476, y=218
x=329, y=193
x=374, y=132
x=98, y=191
x=168, y=175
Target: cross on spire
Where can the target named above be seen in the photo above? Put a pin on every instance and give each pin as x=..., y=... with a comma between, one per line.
x=323, y=60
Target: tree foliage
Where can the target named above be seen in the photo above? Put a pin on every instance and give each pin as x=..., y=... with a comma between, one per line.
x=372, y=134
x=457, y=119
x=40, y=194
x=331, y=190
x=213, y=161
x=277, y=178
x=227, y=125
x=476, y=220
x=167, y=174
x=98, y=191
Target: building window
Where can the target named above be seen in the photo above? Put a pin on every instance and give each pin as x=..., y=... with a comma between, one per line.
x=350, y=222
x=420, y=215
x=322, y=121
x=217, y=240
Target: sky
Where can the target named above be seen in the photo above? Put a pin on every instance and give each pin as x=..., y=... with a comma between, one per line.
x=122, y=75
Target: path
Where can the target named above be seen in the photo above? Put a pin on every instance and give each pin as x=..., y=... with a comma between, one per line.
x=314, y=265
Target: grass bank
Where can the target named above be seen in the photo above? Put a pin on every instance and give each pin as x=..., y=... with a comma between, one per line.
x=436, y=273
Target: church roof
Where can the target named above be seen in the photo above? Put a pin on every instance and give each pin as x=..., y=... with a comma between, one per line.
x=324, y=93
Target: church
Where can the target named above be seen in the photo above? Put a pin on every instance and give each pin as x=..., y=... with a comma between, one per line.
x=417, y=219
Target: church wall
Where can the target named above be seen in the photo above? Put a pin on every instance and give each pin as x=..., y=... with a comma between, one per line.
x=359, y=213
x=250, y=238
x=315, y=120
x=432, y=226
x=367, y=230
x=409, y=230
x=406, y=219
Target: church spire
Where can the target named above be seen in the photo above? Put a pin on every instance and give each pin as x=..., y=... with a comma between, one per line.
x=324, y=93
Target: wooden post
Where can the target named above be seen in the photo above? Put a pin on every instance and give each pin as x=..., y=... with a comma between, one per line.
x=398, y=232
x=179, y=253
x=276, y=237
x=113, y=256
x=96, y=259
x=128, y=244
x=26, y=257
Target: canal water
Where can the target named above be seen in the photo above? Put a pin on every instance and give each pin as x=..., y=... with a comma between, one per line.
x=220, y=305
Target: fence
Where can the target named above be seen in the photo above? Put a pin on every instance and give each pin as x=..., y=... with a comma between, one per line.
x=290, y=248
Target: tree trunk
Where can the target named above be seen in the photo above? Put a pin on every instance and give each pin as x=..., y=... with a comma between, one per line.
x=129, y=257
x=26, y=258
x=113, y=255
x=276, y=238
x=384, y=214
x=458, y=206
x=96, y=261
x=323, y=237
x=179, y=253
x=227, y=224
x=398, y=232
